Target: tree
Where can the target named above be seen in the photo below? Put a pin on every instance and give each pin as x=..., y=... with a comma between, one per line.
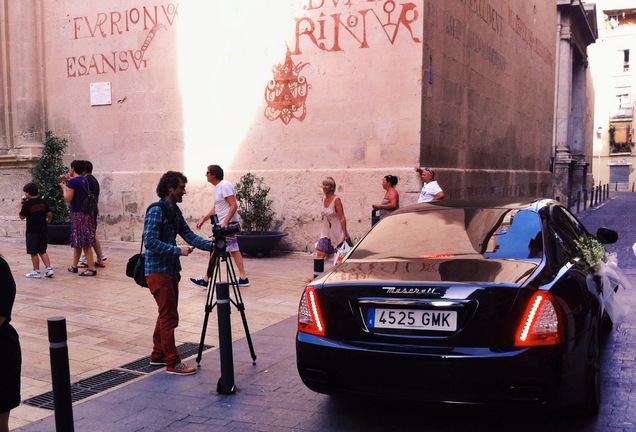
x=254, y=208
x=46, y=174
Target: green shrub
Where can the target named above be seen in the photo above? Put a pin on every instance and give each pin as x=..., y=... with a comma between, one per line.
x=254, y=208
x=46, y=174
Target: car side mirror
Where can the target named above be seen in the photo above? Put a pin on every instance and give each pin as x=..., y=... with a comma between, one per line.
x=606, y=235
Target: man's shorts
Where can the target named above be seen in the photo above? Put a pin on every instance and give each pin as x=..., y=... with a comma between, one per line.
x=231, y=243
x=36, y=243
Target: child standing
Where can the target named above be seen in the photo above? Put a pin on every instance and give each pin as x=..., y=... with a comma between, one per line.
x=37, y=214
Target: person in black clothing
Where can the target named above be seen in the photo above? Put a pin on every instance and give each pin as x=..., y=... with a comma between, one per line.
x=10, y=353
x=93, y=186
x=38, y=215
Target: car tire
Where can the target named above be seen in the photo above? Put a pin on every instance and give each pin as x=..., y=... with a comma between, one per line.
x=592, y=378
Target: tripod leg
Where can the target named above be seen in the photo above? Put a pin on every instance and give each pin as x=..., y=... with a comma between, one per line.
x=241, y=309
x=209, y=305
x=238, y=302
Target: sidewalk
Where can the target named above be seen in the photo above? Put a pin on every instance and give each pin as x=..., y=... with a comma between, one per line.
x=110, y=323
x=110, y=320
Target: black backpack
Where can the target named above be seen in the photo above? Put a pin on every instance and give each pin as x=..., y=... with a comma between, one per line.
x=89, y=204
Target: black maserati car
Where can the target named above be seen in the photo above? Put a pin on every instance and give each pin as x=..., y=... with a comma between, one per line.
x=488, y=302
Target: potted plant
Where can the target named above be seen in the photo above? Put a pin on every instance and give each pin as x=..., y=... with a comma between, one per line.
x=46, y=174
x=256, y=214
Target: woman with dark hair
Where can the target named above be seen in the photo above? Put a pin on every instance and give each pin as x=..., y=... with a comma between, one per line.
x=391, y=200
x=75, y=189
x=10, y=353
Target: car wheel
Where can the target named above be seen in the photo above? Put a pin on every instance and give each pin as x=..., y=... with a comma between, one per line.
x=592, y=379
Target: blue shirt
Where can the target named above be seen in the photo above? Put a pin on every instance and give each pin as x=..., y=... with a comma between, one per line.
x=162, y=253
x=80, y=185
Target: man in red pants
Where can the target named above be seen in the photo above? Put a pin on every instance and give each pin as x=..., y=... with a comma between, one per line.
x=161, y=225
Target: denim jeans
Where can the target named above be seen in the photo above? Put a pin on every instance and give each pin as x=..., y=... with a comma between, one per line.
x=165, y=289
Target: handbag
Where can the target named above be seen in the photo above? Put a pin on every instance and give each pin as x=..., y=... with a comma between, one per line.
x=136, y=267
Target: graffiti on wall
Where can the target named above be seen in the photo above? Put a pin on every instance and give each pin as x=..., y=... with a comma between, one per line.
x=103, y=25
x=338, y=28
x=286, y=92
x=334, y=26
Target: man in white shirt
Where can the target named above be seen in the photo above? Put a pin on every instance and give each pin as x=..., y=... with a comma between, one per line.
x=430, y=188
x=225, y=207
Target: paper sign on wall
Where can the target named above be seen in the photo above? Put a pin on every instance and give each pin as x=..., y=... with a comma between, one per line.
x=100, y=93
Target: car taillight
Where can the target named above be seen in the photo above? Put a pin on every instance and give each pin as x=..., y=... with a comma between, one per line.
x=309, y=315
x=541, y=323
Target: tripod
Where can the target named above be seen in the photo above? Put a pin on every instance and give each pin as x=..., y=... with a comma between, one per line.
x=220, y=254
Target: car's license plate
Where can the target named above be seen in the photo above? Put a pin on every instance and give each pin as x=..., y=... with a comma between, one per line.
x=412, y=319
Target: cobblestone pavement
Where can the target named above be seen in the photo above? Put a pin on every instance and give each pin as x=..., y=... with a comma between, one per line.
x=270, y=396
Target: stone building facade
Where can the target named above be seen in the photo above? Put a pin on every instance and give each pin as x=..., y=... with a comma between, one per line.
x=291, y=90
x=612, y=59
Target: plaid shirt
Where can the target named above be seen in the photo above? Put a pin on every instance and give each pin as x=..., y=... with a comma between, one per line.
x=162, y=253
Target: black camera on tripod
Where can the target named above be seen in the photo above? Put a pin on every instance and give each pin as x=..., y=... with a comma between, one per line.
x=219, y=232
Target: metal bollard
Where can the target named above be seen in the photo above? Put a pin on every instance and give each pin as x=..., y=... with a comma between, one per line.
x=596, y=193
x=319, y=266
x=60, y=374
x=226, y=382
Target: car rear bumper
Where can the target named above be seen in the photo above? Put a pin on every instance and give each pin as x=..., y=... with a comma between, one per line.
x=525, y=376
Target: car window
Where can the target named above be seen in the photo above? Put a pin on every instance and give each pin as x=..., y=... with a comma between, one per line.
x=567, y=229
x=491, y=233
x=518, y=236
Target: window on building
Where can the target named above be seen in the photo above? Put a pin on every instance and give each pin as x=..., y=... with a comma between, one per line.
x=626, y=60
x=622, y=104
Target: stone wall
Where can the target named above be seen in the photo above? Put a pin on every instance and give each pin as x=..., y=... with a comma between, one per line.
x=298, y=90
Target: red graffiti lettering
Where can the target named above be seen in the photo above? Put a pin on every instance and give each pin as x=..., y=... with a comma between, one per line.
x=317, y=4
x=99, y=64
x=324, y=32
x=119, y=22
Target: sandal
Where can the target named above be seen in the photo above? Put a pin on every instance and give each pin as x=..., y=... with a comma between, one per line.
x=82, y=265
x=72, y=269
x=102, y=265
x=88, y=273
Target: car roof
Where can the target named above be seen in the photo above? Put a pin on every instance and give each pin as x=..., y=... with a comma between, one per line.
x=518, y=203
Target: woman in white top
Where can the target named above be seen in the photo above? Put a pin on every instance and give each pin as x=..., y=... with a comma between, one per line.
x=334, y=223
x=430, y=188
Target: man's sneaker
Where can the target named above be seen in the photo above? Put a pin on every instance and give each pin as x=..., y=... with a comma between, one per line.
x=104, y=257
x=199, y=281
x=157, y=362
x=244, y=282
x=49, y=272
x=35, y=274
x=181, y=369
x=82, y=260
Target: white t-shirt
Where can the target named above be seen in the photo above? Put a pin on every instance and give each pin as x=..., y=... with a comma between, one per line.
x=429, y=190
x=223, y=190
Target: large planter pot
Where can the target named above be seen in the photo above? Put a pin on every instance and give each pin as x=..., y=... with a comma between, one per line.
x=259, y=244
x=59, y=233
